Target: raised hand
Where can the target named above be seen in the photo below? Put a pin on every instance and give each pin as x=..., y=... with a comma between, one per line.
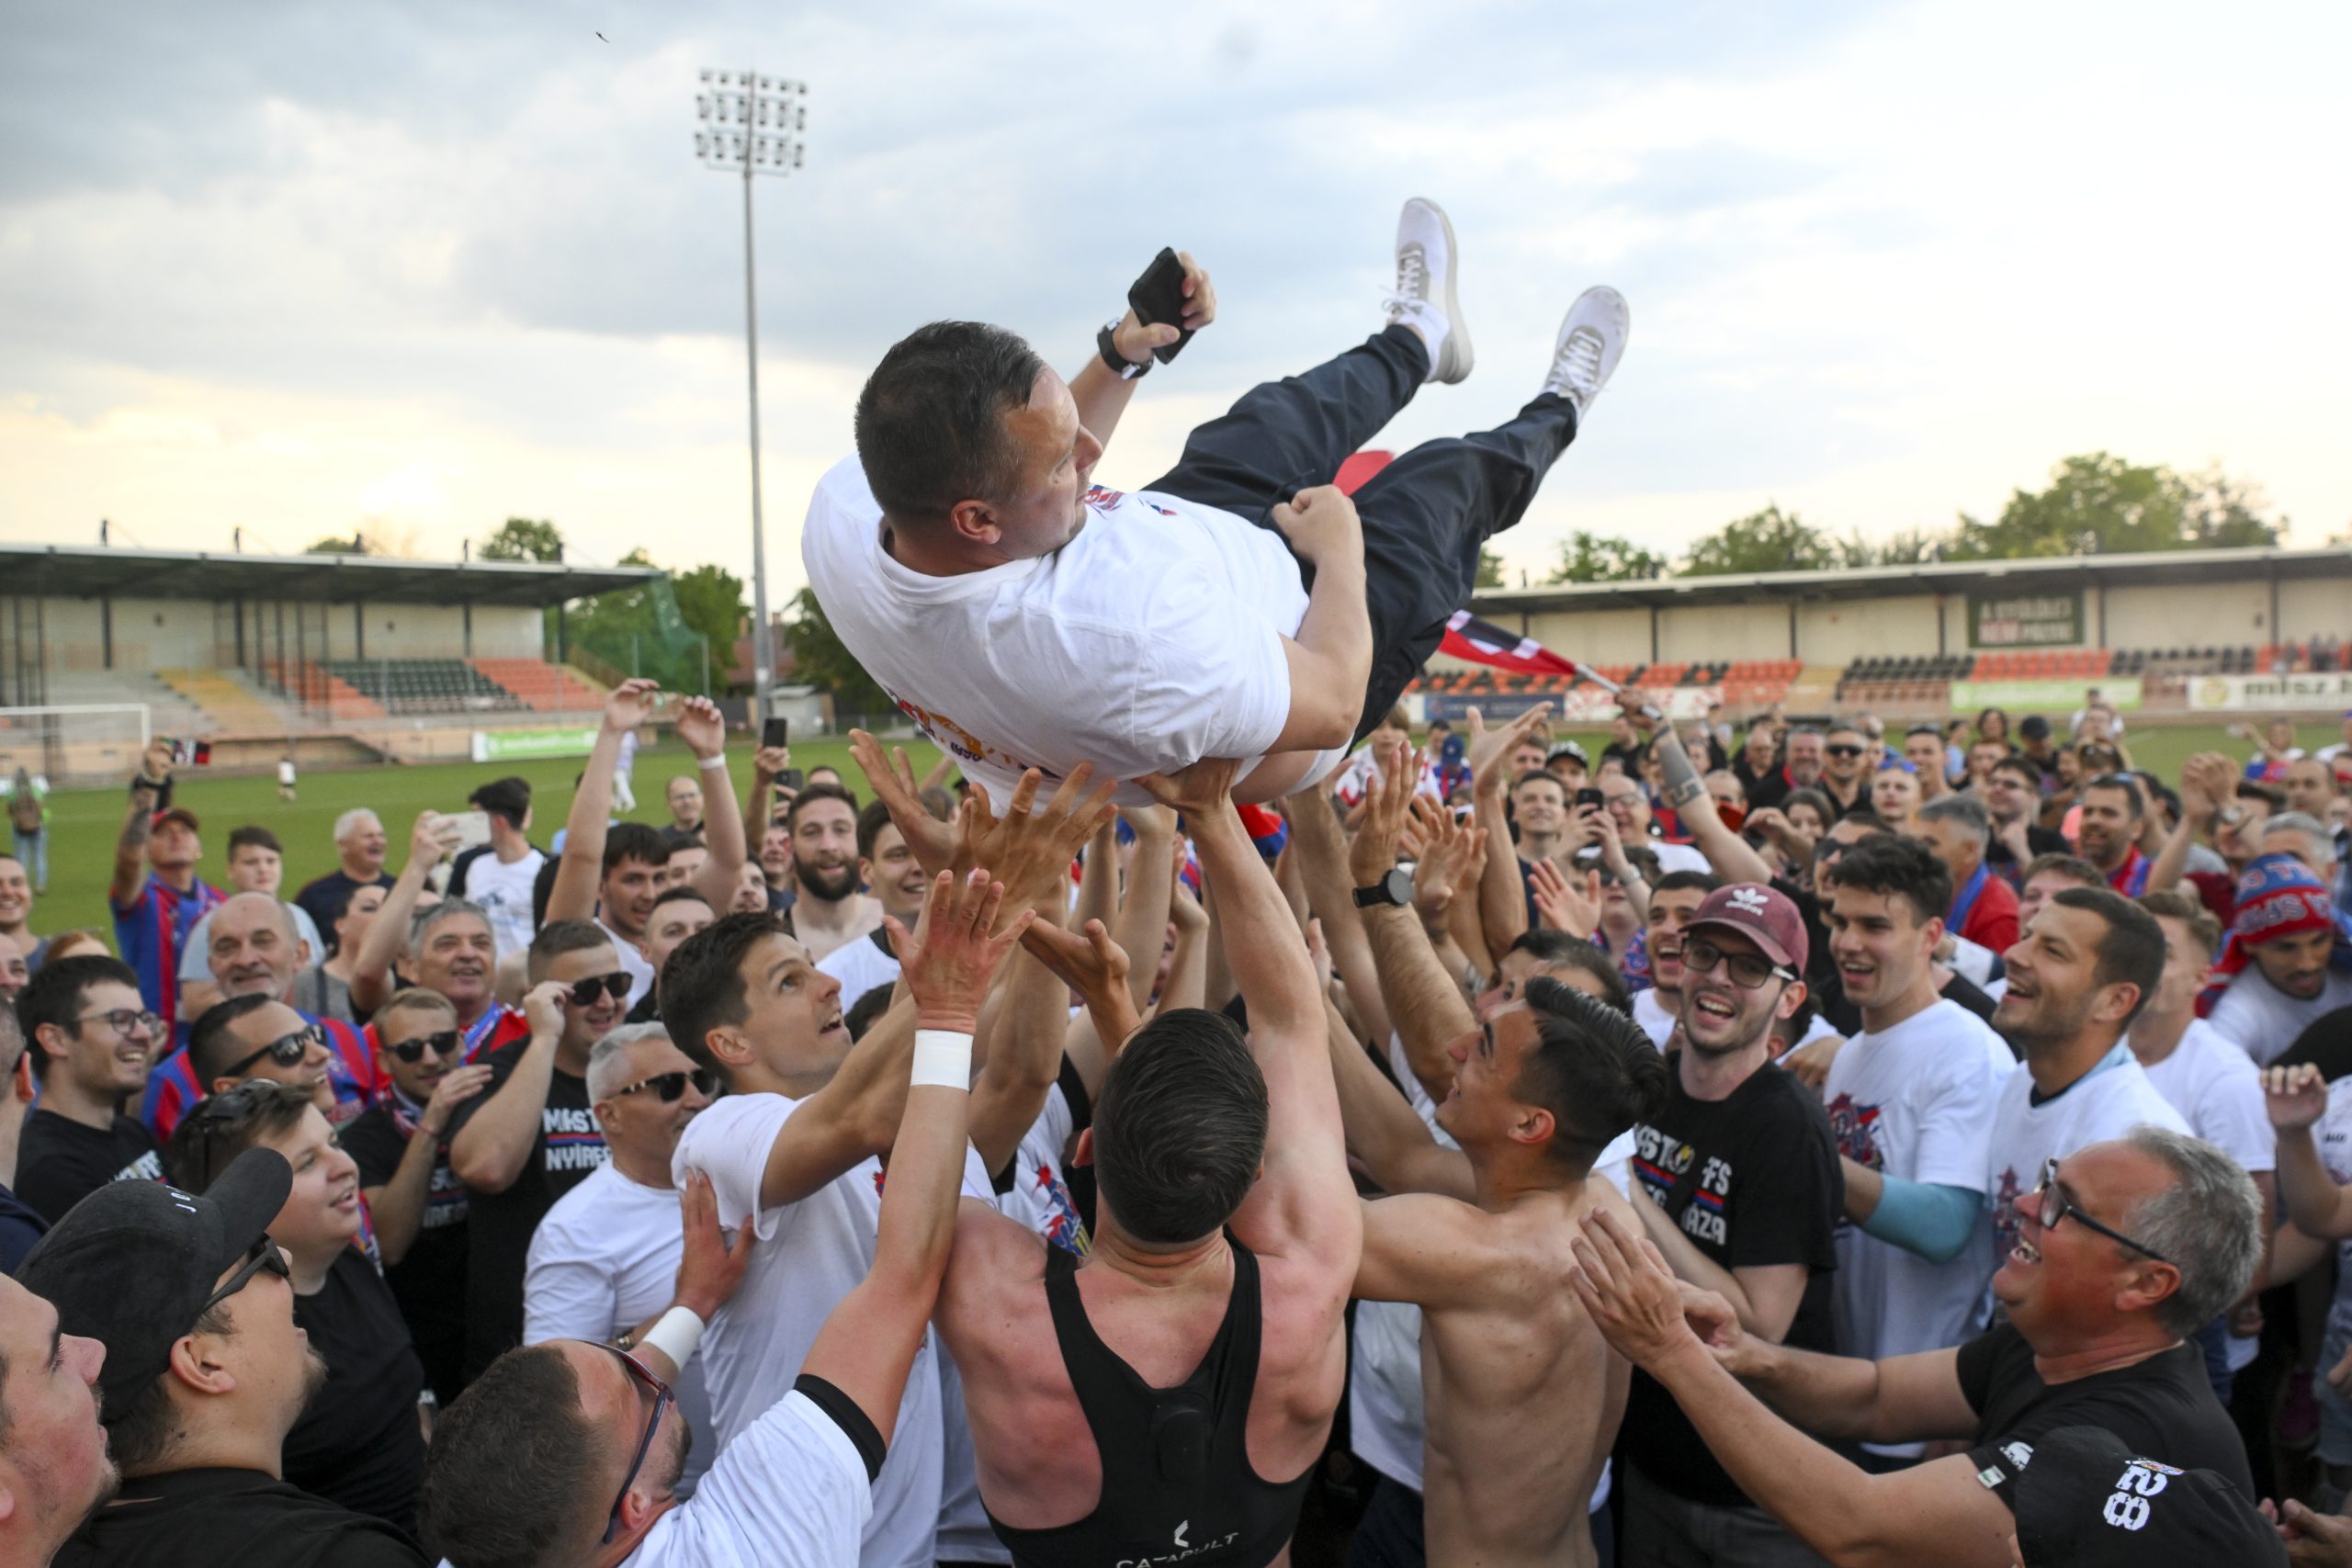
x=1560, y=904
x=1631, y=1294
x=2295, y=1096
x=630, y=704
x=708, y=1269
x=1455, y=856
x=1386, y=805
x=892, y=779
x=1029, y=850
x=953, y=953
x=1135, y=341
x=433, y=837
x=702, y=726
x=543, y=1009
x=1321, y=524
x=770, y=763
x=457, y=1086
x=1094, y=966
x=1485, y=748
x=1201, y=791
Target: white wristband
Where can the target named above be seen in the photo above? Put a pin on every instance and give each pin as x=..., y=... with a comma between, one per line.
x=942, y=1059
x=676, y=1336
x=712, y=763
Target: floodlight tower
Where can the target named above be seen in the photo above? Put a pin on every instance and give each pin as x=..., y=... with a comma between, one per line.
x=750, y=124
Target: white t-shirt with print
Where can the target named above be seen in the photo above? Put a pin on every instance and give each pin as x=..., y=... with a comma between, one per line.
x=789, y=1492
x=1915, y=1102
x=638, y=968
x=1152, y=640
x=603, y=1260
x=2115, y=1097
x=505, y=893
x=2265, y=1020
x=809, y=1255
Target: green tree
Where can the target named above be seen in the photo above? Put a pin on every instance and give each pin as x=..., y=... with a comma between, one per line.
x=337, y=544
x=1490, y=569
x=523, y=538
x=1769, y=540
x=1604, y=557
x=822, y=660
x=2097, y=503
x=710, y=601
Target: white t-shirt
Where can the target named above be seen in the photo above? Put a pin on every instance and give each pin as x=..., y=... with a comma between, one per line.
x=505, y=893
x=1152, y=640
x=808, y=1256
x=2332, y=1137
x=2115, y=1097
x=1678, y=857
x=1361, y=776
x=2265, y=1020
x=1650, y=1013
x=860, y=966
x=633, y=960
x=2215, y=1085
x=286, y=770
x=606, y=1259
x=789, y=1492
x=1915, y=1102
x=196, y=958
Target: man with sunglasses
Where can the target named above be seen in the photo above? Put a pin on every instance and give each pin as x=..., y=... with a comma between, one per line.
x=2126, y=1248
x=206, y=1373
x=1743, y=1193
x=92, y=1038
x=1845, y=770
x=401, y=1144
x=259, y=1037
x=532, y=1136
x=605, y=1263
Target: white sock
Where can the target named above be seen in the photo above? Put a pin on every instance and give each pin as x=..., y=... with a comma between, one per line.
x=1431, y=324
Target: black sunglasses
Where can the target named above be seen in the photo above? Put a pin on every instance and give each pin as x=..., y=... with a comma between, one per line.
x=584, y=992
x=662, y=1399
x=1844, y=751
x=262, y=1254
x=444, y=1044
x=2056, y=1206
x=671, y=1086
x=287, y=1050
x=1748, y=970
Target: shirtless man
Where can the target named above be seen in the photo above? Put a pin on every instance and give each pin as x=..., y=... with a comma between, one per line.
x=1227, y=1239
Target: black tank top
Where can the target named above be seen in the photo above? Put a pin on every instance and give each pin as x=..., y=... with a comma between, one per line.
x=1177, y=1486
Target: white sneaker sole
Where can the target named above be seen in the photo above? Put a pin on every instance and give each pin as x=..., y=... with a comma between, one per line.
x=1454, y=360
x=1604, y=311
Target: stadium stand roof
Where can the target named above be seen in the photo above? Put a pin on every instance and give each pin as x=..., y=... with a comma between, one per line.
x=76, y=572
x=2154, y=567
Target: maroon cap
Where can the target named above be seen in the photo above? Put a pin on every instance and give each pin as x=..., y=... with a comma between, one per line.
x=179, y=814
x=1761, y=915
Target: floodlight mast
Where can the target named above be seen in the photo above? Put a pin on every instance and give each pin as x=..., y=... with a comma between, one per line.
x=752, y=124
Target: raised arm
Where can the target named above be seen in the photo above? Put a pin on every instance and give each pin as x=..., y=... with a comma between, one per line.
x=397, y=1206
x=1383, y=1132
x=1143, y=915
x=2208, y=783
x=1100, y=394
x=496, y=1136
x=1502, y=896
x=433, y=837
x=1322, y=855
x=1330, y=660
x=704, y=729
x=2296, y=1097
x=577, y=874
x=1423, y=1001
x=1725, y=850
x=147, y=787
x=869, y=1344
x=768, y=764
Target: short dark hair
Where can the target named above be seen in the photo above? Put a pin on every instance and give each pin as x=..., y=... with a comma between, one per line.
x=1823, y=807
x=2135, y=803
x=2171, y=904
x=1558, y=950
x=1897, y=867
x=55, y=994
x=1592, y=1068
x=680, y=894
x=2023, y=767
x=1540, y=775
x=868, y=1009
x=870, y=823
x=702, y=985
x=1700, y=882
x=1861, y=817
x=511, y=1479
x=2064, y=864
x=508, y=799
x=1847, y=727
x=209, y=1044
x=219, y=1127
x=1179, y=1128
x=559, y=937
x=931, y=421
x=633, y=841
x=811, y=795
x=2132, y=951
x=253, y=837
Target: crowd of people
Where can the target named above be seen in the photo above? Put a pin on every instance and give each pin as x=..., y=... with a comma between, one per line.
x=1806, y=1144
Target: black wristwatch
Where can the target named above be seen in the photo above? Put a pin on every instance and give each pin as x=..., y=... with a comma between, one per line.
x=1106, y=344
x=1395, y=890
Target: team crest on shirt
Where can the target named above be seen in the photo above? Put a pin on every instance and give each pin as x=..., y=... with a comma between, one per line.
x=2005, y=1213
x=1856, y=1128
x=1104, y=499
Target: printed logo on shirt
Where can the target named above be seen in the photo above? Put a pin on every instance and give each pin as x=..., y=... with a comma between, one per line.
x=952, y=737
x=2127, y=1506
x=1061, y=1226
x=1103, y=499
x=148, y=1166
x=573, y=1141
x=445, y=1201
x=1856, y=1128
x=1185, y=1550
x=2005, y=1213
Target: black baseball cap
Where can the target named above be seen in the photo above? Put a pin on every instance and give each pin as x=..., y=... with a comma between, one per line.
x=508, y=798
x=2084, y=1500
x=131, y=1265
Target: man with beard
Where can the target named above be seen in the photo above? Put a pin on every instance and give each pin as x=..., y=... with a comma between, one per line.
x=1762, y=777
x=54, y=1466
x=830, y=912
x=1845, y=767
x=1740, y=1171
x=886, y=864
x=2112, y=813
x=206, y=1373
x=2288, y=961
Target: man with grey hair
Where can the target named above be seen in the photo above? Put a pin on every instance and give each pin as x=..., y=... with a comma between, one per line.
x=2126, y=1247
x=359, y=847
x=451, y=947
x=604, y=1263
x=2306, y=838
x=1984, y=906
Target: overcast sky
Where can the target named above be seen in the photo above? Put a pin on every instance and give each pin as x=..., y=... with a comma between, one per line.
x=421, y=265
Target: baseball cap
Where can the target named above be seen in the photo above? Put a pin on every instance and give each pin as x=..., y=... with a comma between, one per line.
x=1763, y=916
x=179, y=814
x=2084, y=1500
x=131, y=1264
x=508, y=798
x=1568, y=749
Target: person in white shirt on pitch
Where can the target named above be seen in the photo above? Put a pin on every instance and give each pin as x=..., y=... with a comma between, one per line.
x=1911, y=1099
x=2088, y=961
x=605, y=1261
x=1064, y=621
x=526, y=1457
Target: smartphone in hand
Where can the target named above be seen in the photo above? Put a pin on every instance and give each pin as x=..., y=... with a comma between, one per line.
x=1158, y=297
x=191, y=753
x=775, y=732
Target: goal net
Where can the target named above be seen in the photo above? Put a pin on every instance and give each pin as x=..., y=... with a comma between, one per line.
x=84, y=744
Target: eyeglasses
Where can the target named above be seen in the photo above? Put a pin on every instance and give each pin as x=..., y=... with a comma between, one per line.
x=444, y=1044
x=662, y=1400
x=287, y=1050
x=122, y=1021
x=584, y=992
x=262, y=1254
x=1844, y=751
x=1748, y=970
x=2056, y=1206
x=671, y=1086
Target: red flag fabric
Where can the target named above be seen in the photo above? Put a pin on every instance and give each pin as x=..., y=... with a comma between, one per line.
x=1482, y=642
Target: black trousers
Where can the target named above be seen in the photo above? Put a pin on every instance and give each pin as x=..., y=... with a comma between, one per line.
x=1425, y=515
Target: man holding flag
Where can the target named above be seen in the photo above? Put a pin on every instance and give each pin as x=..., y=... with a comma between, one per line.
x=1240, y=606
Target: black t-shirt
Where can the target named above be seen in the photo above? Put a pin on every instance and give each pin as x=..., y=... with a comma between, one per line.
x=429, y=1282
x=499, y=1226
x=60, y=1162
x=1753, y=1181
x=1767, y=788
x=2037, y=842
x=2163, y=1407
x=323, y=898
x=20, y=1226
x=231, y=1519
x=1628, y=758
x=359, y=1443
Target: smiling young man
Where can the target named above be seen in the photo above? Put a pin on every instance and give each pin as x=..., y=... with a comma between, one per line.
x=92, y=1037
x=886, y=864
x=1657, y=1007
x=678, y=914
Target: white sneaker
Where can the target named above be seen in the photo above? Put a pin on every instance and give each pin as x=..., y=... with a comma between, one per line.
x=1424, y=295
x=1591, y=340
